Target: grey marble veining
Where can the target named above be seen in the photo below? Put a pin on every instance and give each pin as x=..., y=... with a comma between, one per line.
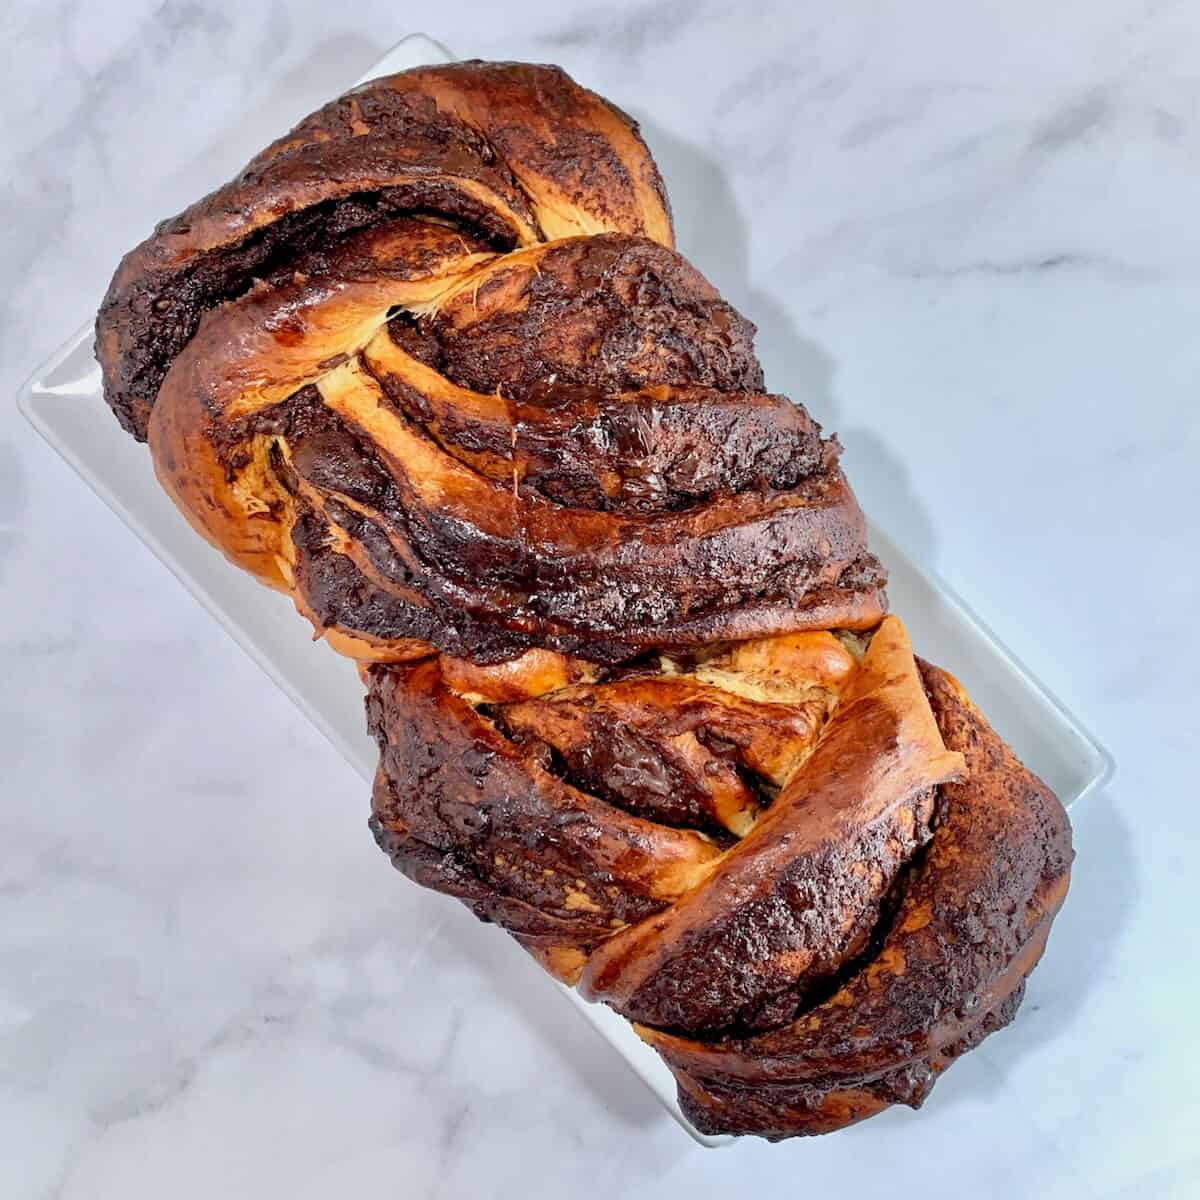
x=967, y=234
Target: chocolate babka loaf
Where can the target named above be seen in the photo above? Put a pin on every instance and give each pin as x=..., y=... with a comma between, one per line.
x=432, y=366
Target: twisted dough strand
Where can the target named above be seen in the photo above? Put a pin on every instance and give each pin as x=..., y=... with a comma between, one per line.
x=431, y=366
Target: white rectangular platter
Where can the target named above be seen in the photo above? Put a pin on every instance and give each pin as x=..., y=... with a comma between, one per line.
x=63, y=402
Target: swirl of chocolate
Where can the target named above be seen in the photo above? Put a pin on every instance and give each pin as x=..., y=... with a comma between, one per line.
x=810, y=873
x=431, y=365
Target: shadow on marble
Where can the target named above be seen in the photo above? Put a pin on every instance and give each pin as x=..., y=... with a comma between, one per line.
x=712, y=233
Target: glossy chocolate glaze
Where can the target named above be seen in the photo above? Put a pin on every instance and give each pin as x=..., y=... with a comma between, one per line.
x=431, y=366
x=950, y=968
x=658, y=448
x=146, y=321
x=940, y=941
x=397, y=145
x=666, y=516
x=600, y=472
x=609, y=313
x=453, y=782
x=673, y=750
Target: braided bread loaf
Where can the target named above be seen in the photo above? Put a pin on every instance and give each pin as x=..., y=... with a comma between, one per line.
x=431, y=365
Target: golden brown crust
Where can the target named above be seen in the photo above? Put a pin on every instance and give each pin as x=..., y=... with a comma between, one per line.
x=426, y=441
x=816, y=965
x=431, y=366
x=971, y=925
x=520, y=151
x=799, y=894
x=580, y=160
x=453, y=787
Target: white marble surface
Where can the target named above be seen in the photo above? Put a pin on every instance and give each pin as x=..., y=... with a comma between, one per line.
x=968, y=234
